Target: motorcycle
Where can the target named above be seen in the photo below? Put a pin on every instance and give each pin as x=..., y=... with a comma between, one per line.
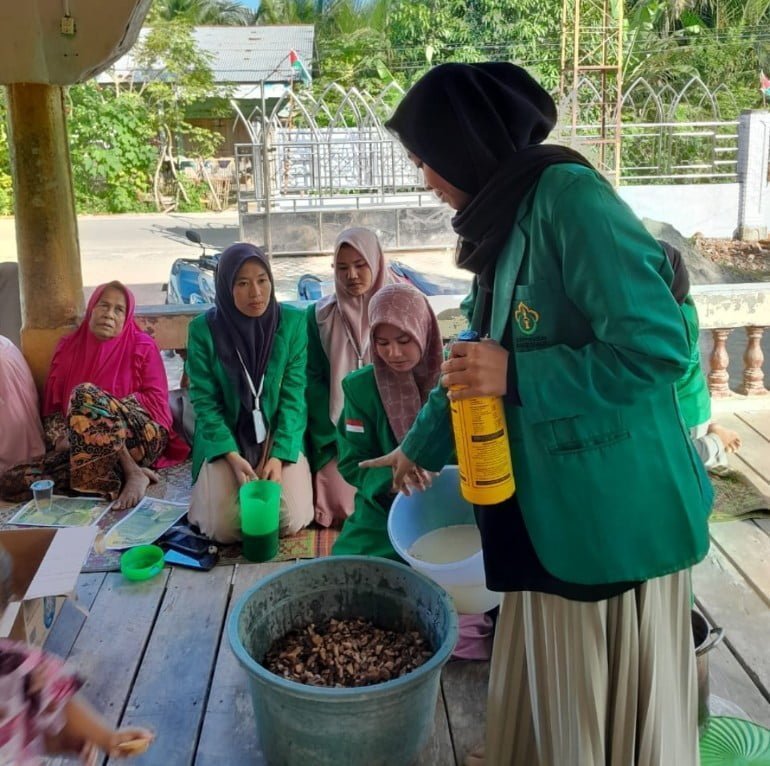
x=311, y=287
x=192, y=279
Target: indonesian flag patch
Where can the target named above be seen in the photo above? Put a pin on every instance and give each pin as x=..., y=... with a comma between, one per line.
x=354, y=426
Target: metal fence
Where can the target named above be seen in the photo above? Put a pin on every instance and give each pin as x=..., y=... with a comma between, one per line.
x=334, y=150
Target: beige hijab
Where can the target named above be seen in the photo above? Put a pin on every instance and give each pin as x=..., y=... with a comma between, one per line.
x=404, y=393
x=343, y=320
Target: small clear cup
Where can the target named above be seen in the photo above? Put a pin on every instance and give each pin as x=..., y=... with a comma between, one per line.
x=42, y=492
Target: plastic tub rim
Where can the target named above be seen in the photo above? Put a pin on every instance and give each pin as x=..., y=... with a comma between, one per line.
x=439, y=658
x=429, y=565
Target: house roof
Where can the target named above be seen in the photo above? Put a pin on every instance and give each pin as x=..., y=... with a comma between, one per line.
x=241, y=55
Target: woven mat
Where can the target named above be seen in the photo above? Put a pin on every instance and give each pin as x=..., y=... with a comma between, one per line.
x=737, y=499
x=175, y=485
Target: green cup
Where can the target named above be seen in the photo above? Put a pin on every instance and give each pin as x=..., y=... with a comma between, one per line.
x=260, y=513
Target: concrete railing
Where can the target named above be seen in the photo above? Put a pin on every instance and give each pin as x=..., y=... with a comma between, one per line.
x=722, y=309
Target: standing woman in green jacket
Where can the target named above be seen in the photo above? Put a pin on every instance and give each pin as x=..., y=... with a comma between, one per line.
x=246, y=363
x=593, y=660
x=338, y=343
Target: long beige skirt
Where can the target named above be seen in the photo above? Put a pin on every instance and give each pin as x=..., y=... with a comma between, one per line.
x=611, y=683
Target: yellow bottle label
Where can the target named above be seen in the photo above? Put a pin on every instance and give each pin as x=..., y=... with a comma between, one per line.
x=483, y=452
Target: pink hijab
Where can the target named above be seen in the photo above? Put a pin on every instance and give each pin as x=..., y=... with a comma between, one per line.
x=404, y=393
x=343, y=320
x=21, y=434
x=127, y=364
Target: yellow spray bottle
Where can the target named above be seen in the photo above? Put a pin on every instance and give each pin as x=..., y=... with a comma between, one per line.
x=481, y=442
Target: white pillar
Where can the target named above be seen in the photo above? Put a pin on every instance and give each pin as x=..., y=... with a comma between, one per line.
x=754, y=202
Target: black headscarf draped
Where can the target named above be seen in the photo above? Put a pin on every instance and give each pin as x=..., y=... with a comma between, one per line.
x=235, y=332
x=480, y=127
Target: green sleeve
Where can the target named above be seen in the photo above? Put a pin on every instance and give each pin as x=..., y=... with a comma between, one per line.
x=469, y=301
x=206, y=395
x=429, y=442
x=353, y=447
x=291, y=416
x=691, y=389
x=615, y=273
x=321, y=433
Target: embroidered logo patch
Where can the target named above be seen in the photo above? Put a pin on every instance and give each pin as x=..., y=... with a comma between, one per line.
x=526, y=318
x=354, y=426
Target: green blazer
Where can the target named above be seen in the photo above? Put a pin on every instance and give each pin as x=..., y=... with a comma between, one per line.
x=691, y=389
x=321, y=435
x=609, y=484
x=364, y=432
x=215, y=399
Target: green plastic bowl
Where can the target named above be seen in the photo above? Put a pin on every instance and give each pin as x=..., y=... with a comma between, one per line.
x=142, y=562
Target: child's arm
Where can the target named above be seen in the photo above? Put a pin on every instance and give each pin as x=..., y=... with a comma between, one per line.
x=85, y=729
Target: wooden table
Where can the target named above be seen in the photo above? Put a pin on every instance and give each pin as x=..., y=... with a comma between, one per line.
x=156, y=653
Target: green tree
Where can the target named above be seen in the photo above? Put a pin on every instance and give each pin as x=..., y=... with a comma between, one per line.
x=113, y=146
x=427, y=32
x=353, y=45
x=289, y=12
x=222, y=12
x=126, y=136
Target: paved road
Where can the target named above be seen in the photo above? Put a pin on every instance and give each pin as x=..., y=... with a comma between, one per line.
x=139, y=250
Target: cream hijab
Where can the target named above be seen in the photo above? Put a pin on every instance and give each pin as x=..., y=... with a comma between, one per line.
x=343, y=320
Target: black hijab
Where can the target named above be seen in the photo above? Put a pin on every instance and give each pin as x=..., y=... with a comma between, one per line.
x=480, y=127
x=234, y=332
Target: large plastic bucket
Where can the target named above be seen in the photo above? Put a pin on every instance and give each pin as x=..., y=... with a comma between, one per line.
x=442, y=505
x=386, y=724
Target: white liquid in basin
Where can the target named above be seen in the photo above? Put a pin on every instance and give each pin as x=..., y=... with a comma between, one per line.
x=448, y=545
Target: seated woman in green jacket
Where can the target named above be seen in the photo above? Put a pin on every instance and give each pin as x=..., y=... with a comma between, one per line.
x=381, y=402
x=246, y=363
x=338, y=343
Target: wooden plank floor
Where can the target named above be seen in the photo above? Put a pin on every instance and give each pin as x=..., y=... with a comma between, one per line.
x=157, y=654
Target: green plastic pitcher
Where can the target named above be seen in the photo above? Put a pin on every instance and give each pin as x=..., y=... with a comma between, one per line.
x=260, y=512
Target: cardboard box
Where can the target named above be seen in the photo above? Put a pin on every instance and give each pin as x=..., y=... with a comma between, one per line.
x=46, y=565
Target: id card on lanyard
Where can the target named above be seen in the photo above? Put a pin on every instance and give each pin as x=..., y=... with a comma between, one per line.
x=360, y=352
x=260, y=429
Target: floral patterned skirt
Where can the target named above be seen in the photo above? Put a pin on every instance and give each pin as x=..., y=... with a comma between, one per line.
x=97, y=426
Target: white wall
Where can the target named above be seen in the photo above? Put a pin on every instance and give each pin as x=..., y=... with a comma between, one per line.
x=711, y=209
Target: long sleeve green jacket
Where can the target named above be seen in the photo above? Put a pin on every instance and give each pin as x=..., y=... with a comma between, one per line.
x=321, y=437
x=364, y=432
x=608, y=482
x=215, y=399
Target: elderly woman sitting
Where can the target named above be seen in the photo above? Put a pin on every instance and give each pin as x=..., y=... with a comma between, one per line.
x=105, y=409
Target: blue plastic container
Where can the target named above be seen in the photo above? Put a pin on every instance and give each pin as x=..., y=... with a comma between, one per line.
x=442, y=505
x=385, y=724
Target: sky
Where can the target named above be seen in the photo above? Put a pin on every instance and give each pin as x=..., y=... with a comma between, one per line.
x=251, y=4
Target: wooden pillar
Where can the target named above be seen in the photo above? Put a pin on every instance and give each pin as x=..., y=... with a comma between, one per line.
x=46, y=226
x=753, y=375
x=719, y=377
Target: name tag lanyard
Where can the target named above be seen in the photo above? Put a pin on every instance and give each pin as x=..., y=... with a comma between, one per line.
x=360, y=353
x=260, y=429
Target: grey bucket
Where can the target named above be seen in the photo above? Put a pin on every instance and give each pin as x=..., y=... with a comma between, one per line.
x=386, y=724
x=705, y=639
